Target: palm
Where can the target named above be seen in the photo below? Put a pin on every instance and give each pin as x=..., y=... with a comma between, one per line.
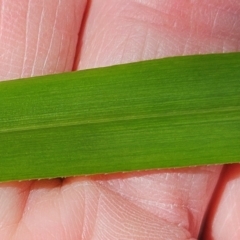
x=41, y=38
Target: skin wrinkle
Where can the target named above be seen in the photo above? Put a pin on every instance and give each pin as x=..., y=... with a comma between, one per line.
x=58, y=58
x=52, y=35
x=3, y=54
x=102, y=29
x=86, y=202
x=38, y=39
x=224, y=223
x=113, y=233
x=97, y=56
x=19, y=220
x=61, y=209
x=26, y=38
x=125, y=41
x=113, y=40
x=64, y=212
x=215, y=18
x=121, y=208
x=68, y=44
x=27, y=192
x=1, y=18
x=81, y=41
x=144, y=44
x=234, y=35
x=172, y=208
x=180, y=208
x=84, y=225
x=112, y=217
x=92, y=224
x=195, y=223
x=130, y=43
x=96, y=216
x=152, y=18
x=232, y=8
x=189, y=37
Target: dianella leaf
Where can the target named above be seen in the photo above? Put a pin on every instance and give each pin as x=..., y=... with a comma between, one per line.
x=172, y=112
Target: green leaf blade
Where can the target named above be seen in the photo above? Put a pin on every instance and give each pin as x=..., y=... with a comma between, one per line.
x=173, y=112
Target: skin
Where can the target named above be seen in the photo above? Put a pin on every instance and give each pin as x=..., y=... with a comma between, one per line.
x=41, y=37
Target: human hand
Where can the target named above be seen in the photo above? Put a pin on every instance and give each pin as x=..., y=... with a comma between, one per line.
x=40, y=37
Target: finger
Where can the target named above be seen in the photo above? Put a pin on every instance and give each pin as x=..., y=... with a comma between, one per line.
x=36, y=37
x=223, y=219
x=124, y=31
x=82, y=209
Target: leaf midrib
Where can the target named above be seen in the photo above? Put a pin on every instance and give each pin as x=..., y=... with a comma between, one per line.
x=126, y=118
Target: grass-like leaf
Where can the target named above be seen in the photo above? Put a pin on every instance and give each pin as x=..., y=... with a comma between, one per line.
x=173, y=112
